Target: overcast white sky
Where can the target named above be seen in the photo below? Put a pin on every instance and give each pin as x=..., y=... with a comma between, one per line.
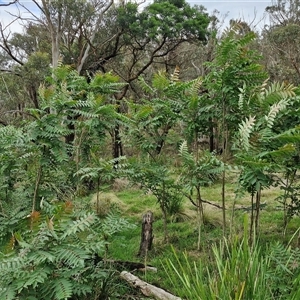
x=243, y=9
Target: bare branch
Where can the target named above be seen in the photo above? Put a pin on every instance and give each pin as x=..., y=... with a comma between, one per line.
x=8, y=24
x=17, y=111
x=9, y=3
x=6, y=46
x=91, y=40
x=6, y=87
x=36, y=18
x=202, y=200
x=10, y=71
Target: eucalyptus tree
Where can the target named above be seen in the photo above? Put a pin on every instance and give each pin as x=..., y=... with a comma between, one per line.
x=104, y=36
x=69, y=22
x=59, y=31
x=68, y=26
x=24, y=64
x=280, y=41
x=144, y=37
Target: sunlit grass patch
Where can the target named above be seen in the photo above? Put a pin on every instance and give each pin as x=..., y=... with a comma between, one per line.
x=137, y=203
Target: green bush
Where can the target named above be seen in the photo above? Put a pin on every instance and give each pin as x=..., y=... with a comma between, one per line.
x=60, y=256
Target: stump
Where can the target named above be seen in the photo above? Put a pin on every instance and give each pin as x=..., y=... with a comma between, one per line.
x=146, y=235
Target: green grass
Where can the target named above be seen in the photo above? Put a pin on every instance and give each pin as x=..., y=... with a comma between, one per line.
x=184, y=234
x=133, y=203
x=137, y=202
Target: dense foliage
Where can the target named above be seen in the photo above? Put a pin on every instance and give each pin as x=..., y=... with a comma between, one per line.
x=105, y=110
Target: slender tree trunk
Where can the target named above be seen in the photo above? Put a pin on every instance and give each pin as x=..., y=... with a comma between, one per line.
x=224, y=147
x=258, y=197
x=36, y=188
x=117, y=142
x=288, y=189
x=55, y=39
x=162, y=139
x=69, y=139
x=211, y=136
x=166, y=237
x=32, y=91
x=105, y=7
x=200, y=211
x=252, y=219
x=223, y=202
x=98, y=197
x=77, y=143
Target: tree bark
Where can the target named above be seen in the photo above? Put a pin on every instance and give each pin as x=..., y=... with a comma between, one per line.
x=117, y=142
x=147, y=234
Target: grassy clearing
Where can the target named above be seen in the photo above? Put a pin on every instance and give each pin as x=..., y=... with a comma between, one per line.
x=132, y=203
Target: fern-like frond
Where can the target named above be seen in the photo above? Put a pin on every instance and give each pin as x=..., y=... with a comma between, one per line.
x=8, y=292
x=226, y=49
x=72, y=256
x=32, y=278
x=193, y=87
x=114, y=223
x=277, y=91
x=40, y=256
x=86, y=114
x=14, y=263
x=62, y=288
x=145, y=86
x=187, y=157
x=263, y=87
x=242, y=97
x=289, y=136
x=9, y=131
x=144, y=112
x=245, y=130
x=79, y=225
x=274, y=110
x=160, y=81
x=175, y=74
x=285, y=151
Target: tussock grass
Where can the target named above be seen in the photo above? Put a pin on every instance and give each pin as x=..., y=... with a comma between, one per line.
x=108, y=201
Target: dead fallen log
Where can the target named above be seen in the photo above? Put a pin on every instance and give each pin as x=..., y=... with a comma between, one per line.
x=129, y=265
x=146, y=288
x=253, y=207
